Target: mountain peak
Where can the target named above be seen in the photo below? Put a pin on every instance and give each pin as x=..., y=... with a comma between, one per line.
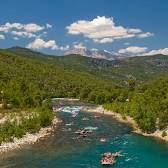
x=94, y=53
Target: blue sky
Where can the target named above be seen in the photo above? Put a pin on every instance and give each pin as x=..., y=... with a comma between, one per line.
x=54, y=26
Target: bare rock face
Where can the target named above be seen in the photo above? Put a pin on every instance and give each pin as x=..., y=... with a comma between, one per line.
x=94, y=53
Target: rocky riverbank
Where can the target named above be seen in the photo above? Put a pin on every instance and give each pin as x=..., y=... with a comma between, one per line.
x=28, y=138
x=129, y=120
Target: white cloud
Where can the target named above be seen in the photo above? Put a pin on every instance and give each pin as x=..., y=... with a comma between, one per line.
x=104, y=40
x=143, y=51
x=23, y=34
x=48, y=26
x=41, y=44
x=125, y=36
x=145, y=35
x=101, y=28
x=19, y=30
x=31, y=27
x=8, y=26
x=79, y=46
x=163, y=51
x=133, y=50
x=2, y=37
x=134, y=30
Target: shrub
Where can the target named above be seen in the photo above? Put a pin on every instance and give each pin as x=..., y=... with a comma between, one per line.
x=164, y=133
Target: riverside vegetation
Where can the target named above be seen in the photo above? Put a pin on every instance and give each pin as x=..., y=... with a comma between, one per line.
x=18, y=122
x=27, y=78
x=147, y=104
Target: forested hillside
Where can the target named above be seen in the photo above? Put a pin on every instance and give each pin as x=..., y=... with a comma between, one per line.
x=147, y=104
x=27, y=78
x=117, y=72
x=25, y=82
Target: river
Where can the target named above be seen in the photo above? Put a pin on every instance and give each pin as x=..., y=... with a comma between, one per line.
x=65, y=149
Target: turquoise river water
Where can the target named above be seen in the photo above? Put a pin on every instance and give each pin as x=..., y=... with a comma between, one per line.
x=64, y=149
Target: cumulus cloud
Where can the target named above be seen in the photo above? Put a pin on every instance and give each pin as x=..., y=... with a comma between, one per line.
x=79, y=46
x=30, y=30
x=23, y=34
x=8, y=26
x=163, y=51
x=133, y=50
x=104, y=40
x=143, y=51
x=2, y=37
x=102, y=28
x=145, y=35
x=31, y=27
x=42, y=44
x=134, y=30
x=48, y=26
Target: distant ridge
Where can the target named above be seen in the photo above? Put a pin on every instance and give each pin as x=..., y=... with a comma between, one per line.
x=25, y=51
x=94, y=53
x=118, y=71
